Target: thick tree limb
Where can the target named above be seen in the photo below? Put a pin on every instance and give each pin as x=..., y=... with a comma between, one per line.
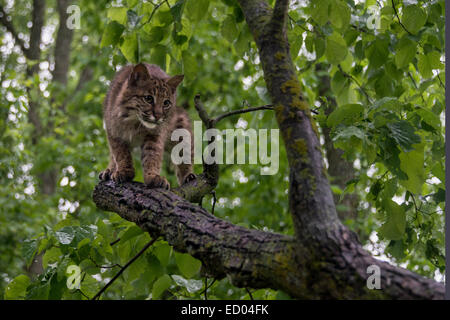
x=257, y=259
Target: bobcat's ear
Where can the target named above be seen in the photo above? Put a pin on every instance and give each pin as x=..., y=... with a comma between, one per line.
x=175, y=81
x=139, y=74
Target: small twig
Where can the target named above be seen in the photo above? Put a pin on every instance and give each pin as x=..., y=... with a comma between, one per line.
x=214, y=201
x=249, y=293
x=349, y=76
x=156, y=7
x=440, y=81
x=206, y=288
x=124, y=268
x=114, y=242
x=202, y=113
x=210, y=123
x=234, y=112
x=398, y=18
x=104, y=267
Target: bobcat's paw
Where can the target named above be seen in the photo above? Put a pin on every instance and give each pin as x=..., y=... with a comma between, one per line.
x=105, y=175
x=122, y=176
x=189, y=177
x=156, y=181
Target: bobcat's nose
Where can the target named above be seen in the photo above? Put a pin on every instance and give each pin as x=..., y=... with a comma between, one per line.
x=158, y=116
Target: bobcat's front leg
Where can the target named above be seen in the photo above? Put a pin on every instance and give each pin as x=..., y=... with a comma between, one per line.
x=152, y=155
x=122, y=169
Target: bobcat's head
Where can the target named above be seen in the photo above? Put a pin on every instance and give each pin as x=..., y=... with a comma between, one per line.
x=149, y=99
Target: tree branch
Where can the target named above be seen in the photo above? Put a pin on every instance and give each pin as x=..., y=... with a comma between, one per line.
x=122, y=269
x=337, y=269
x=280, y=14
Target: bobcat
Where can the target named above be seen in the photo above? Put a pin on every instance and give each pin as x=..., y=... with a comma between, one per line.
x=139, y=110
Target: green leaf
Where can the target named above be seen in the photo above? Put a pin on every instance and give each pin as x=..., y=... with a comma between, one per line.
x=404, y=134
x=413, y=18
x=130, y=232
x=129, y=48
x=377, y=53
x=345, y=114
x=118, y=14
x=191, y=285
x=339, y=14
x=319, y=45
x=17, y=288
x=51, y=255
x=72, y=235
x=112, y=33
x=349, y=132
x=161, y=285
x=336, y=49
x=163, y=252
x=426, y=63
x=405, y=51
x=132, y=3
x=29, y=250
x=394, y=227
x=188, y=265
x=412, y=163
x=319, y=11
x=177, y=12
x=196, y=9
x=295, y=40
x=229, y=29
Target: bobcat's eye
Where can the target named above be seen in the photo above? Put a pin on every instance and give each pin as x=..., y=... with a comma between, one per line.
x=167, y=103
x=149, y=99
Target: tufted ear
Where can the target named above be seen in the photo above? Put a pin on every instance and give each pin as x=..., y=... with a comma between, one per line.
x=175, y=81
x=139, y=74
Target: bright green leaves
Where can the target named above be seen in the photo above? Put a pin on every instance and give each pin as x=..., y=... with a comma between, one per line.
x=130, y=47
x=196, y=9
x=427, y=62
x=295, y=40
x=161, y=285
x=188, y=265
x=112, y=34
x=29, y=250
x=412, y=163
x=346, y=114
x=339, y=14
x=118, y=14
x=405, y=52
x=413, y=18
x=17, y=288
x=394, y=227
x=229, y=29
x=319, y=11
x=377, y=52
x=336, y=49
x=404, y=134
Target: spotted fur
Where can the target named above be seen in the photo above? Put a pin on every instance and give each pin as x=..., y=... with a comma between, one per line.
x=140, y=110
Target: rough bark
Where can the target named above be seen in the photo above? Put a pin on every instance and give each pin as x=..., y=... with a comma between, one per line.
x=325, y=259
